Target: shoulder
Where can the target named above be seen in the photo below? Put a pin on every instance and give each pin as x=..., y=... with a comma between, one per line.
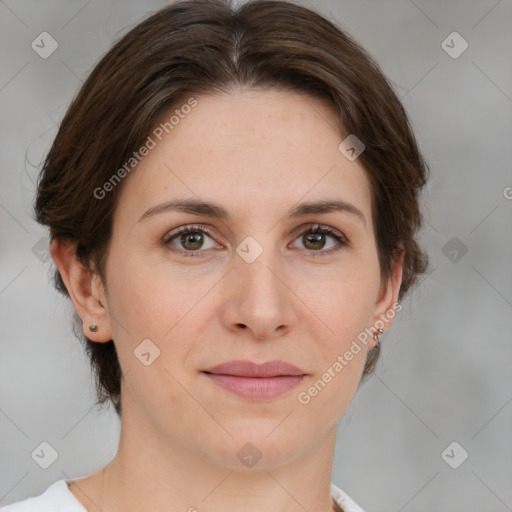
x=57, y=498
x=344, y=500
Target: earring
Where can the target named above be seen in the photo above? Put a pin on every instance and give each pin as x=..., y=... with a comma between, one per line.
x=376, y=336
x=93, y=328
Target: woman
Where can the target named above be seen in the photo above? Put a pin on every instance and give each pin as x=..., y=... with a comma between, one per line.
x=232, y=199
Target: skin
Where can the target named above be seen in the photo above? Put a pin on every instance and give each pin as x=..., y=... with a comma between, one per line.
x=257, y=153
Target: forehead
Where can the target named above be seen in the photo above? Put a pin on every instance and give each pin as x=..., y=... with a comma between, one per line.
x=257, y=150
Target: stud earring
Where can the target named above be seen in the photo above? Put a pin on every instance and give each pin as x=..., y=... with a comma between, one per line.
x=376, y=336
x=93, y=328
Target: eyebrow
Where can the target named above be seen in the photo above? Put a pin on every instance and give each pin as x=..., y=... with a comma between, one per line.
x=198, y=207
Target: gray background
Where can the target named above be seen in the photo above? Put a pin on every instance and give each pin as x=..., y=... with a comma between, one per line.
x=445, y=368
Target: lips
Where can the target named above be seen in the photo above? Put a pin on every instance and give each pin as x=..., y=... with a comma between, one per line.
x=250, y=369
x=256, y=381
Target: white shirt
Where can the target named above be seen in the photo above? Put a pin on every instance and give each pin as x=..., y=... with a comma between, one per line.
x=58, y=498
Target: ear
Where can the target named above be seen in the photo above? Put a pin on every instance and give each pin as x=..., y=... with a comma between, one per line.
x=85, y=289
x=387, y=302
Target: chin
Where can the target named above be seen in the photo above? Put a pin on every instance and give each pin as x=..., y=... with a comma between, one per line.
x=264, y=448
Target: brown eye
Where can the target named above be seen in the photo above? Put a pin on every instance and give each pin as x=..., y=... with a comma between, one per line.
x=314, y=241
x=315, y=238
x=189, y=240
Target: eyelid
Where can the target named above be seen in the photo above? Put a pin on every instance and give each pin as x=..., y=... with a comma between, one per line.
x=184, y=229
x=317, y=225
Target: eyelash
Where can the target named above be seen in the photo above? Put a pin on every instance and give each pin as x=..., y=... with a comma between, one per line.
x=312, y=229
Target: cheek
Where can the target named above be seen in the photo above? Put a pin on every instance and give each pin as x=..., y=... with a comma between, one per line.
x=144, y=305
x=147, y=300
x=345, y=309
x=135, y=300
x=343, y=302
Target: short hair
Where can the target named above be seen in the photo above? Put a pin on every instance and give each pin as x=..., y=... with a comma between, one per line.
x=194, y=47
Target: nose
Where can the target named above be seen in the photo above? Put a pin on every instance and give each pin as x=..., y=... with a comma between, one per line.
x=258, y=298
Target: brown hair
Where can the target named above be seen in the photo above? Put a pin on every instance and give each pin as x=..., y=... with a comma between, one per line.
x=207, y=46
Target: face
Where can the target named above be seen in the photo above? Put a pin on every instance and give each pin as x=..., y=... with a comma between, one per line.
x=256, y=284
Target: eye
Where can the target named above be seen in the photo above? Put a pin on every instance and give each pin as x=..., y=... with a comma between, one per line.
x=190, y=240
x=314, y=240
